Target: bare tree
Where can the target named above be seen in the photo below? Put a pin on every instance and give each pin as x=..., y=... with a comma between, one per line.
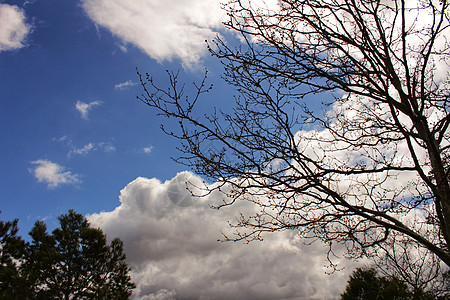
x=418, y=268
x=353, y=172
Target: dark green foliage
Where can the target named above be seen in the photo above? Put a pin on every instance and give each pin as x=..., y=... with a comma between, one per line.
x=12, y=253
x=74, y=262
x=364, y=284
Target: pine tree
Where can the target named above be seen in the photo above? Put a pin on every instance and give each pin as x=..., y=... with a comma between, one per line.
x=73, y=262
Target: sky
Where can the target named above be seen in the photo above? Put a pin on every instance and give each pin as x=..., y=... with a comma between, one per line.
x=74, y=136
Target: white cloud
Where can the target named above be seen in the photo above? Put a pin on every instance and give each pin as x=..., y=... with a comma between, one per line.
x=83, y=150
x=123, y=48
x=107, y=147
x=29, y=2
x=173, y=250
x=162, y=29
x=84, y=108
x=86, y=149
x=13, y=28
x=147, y=150
x=53, y=174
x=124, y=85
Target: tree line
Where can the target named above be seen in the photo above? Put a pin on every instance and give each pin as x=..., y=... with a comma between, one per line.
x=75, y=261
x=367, y=284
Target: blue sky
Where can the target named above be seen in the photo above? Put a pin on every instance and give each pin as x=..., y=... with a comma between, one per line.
x=74, y=136
x=68, y=59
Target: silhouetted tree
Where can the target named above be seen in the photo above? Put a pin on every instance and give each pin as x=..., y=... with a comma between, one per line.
x=12, y=253
x=365, y=284
x=419, y=269
x=74, y=262
x=370, y=163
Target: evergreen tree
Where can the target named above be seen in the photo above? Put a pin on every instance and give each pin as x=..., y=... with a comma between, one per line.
x=74, y=262
x=12, y=254
x=365, y=284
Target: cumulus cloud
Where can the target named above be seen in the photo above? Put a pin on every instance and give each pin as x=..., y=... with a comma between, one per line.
x=124, y=85
x=171, y=241
x=13, y=28
x=163, y=29
x=53, y=174
x=84, y=108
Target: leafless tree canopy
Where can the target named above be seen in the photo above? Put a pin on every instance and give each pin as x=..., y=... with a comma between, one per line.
x=414, y=265
x=373, y=162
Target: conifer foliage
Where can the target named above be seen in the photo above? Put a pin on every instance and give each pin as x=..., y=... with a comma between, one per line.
x=365, y=284
x=73, y=262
